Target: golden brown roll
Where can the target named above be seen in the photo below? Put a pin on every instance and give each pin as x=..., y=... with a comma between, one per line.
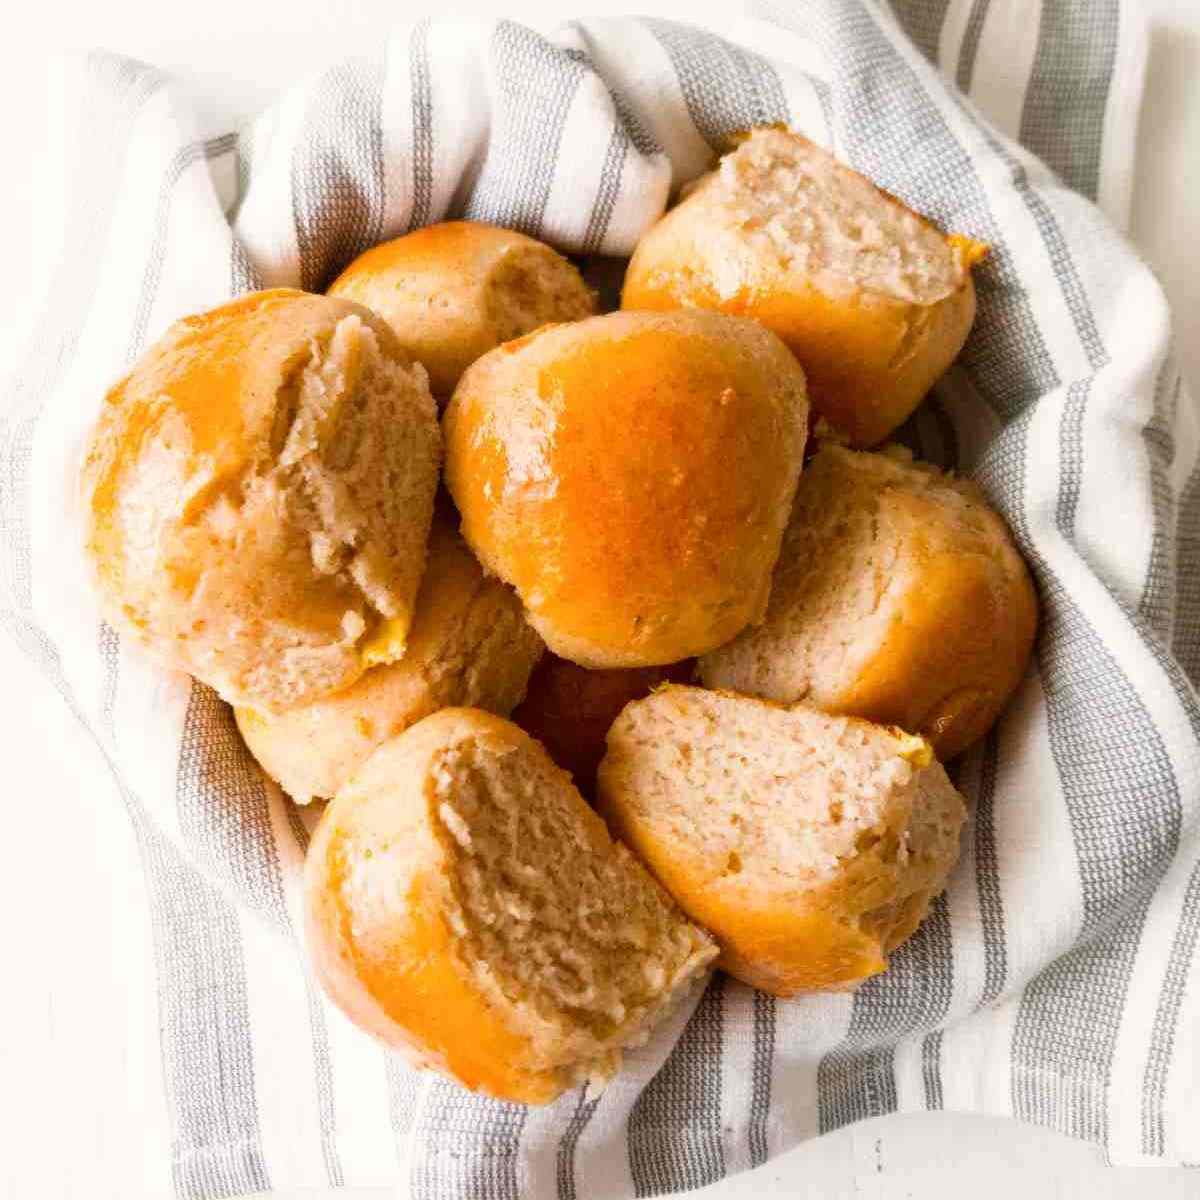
x=898, y=596
x=452, y=292
x=440, y=918
x=469, y=645
x=630, y=475
x=871, y=297
x=809, y=845
x=569, y=709
x=258, y=493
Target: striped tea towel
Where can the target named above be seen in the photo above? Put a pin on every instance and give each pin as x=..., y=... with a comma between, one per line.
x=1057, y=980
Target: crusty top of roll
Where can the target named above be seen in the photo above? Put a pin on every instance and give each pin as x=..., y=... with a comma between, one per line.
x=452, y=292
x=630, y=475
x=258, y=493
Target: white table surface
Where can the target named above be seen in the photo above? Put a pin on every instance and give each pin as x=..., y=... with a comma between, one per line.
x=60, y=1140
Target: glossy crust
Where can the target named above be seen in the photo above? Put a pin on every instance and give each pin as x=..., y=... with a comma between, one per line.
x=454, y=291
x=258, y=492
x=570, y=709
x=954, y=621
x=630, y=476
x=777, y=932
x=869, y=357
x=385, y=930
x=375, y=899
x=469, y=645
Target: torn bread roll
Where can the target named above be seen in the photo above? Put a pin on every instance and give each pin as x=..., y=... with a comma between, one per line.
x=899, y=596
x=809, y=845
x=452, y=292
x=258, y=492
x=569, y=709
x=872, y=298
x=440, y=918
x=469, y=645
x=630, y=475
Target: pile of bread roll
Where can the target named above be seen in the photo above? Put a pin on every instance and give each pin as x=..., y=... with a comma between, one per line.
x=746, y=646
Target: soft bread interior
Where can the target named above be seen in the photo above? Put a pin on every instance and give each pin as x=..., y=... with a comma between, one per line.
x=931, y=846
x=341, y=495
x=784, y=797
x=560, y=927
x=532, y=286
x=797, y=204
x=354, y=500
x=469, y=644
x=809, y=844
x=836, y=568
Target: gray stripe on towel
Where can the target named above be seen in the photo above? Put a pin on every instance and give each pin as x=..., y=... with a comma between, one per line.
x=337, y=172
x=675, y=1136
x=726, y=89
x=1063, y=118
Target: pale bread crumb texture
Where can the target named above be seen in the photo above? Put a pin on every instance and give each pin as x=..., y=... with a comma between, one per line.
x=352, y=474
x=783, y=796
x=531, y=286
x=796, y=203
x=344, y=455
x=469, y=645
x=757, y=814
x=873, y=300
x=826, y=613
x=260, y=492
x=562, y=930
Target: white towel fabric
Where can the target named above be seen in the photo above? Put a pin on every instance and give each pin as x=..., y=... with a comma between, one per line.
x=1057, y=980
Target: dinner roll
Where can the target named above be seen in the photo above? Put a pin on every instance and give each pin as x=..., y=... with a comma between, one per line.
x=809, y=845
x=898, y=596
x=872, y=298
x=569, y=709
x=440, y=919
x=630, y=475
x=258, y=492
x=469, y=645
x=451, y=292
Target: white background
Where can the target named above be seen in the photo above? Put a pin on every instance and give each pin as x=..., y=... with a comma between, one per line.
x=73, y=1118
